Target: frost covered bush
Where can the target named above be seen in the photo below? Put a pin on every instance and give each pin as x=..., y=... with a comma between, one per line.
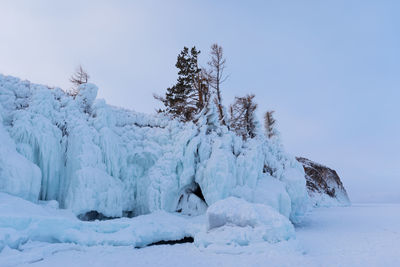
x=87, y=93
x=90, y=156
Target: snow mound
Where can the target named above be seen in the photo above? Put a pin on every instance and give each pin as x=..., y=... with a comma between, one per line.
x=236, y=222
x=22, y=221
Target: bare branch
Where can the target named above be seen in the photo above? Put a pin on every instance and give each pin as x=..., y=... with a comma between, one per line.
x=269, y=124
x=79, y=77
x=216, y=75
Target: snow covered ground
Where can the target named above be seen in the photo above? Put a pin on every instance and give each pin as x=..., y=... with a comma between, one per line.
x=360, y=235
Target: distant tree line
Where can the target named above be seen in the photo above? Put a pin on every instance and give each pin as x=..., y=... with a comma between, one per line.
x=198, y=89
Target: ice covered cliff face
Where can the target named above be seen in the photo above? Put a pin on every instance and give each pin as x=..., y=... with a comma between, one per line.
x=90, y=156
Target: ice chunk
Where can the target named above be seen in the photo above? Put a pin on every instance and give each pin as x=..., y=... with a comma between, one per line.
x=236, y=211
x=234, y=221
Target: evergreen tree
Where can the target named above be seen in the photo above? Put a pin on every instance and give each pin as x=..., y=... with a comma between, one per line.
x=269, y=124
x=187, y=97
x=243, y=120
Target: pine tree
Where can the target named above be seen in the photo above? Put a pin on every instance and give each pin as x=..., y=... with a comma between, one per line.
x=243, y=120
x=188, y=96
x=269, y=124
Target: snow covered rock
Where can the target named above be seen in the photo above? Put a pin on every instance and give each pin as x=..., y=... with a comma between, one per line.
x=324, y=185
x=234, y=221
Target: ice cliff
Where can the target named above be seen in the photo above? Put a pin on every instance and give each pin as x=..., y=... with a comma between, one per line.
x=90, y=156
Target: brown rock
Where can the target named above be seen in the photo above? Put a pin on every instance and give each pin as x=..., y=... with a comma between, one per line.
x=323, y=184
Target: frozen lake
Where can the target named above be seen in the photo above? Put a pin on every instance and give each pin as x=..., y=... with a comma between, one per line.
x=360, y=235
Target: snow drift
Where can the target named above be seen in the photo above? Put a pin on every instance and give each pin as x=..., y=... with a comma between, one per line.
x=90, y=156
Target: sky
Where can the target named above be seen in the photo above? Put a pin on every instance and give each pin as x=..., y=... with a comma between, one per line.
x=329, y=69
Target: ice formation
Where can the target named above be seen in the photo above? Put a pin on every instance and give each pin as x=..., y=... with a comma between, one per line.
x=18, y=175
x=90, y=156
x=234, y=221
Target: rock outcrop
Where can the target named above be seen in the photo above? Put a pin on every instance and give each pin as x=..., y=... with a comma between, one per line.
x=324, y=185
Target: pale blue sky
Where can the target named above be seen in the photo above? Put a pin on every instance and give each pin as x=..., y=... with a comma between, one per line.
x=330, y=69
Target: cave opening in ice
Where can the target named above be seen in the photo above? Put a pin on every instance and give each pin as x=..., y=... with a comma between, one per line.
x=191, y=201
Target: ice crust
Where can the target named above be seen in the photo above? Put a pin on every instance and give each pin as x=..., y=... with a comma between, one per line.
x=88, y=155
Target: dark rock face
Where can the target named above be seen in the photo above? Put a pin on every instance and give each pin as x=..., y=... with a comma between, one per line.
x=323, y=184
